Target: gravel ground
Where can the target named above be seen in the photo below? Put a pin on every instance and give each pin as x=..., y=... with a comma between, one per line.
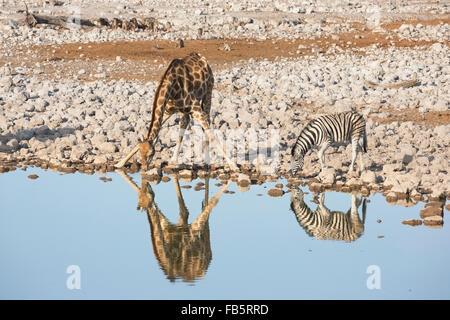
x=85, y=111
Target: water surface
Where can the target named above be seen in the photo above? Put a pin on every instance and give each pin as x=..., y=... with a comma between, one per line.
x=185, y=244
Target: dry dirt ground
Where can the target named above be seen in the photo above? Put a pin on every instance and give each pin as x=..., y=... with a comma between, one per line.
x=146, y=60
x=149, y=53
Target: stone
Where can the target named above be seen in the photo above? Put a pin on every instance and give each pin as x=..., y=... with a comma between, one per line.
x=438, y=204
x=442, y=132
x=101, y=159
x=275, y=192
x=107, y=147
x=431, y=211
x=368, y=177
x=153, y=173
x=165, y=179
x=243, y=180
x=392, y=167
x=412, y=222
x=391, y=197
x=327, y=175
x=243, y=188
x=185, y=174
x=98, y=139
x=433, y=220
x=78, y=154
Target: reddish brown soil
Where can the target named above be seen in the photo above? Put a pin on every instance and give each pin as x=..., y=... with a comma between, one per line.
x=429, y=119
x=146, y=60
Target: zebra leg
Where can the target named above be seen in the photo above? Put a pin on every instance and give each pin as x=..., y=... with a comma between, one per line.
x=322, y=210
x=356, y=223
x=322, y=199
x=355, y=204
x=321, y=154
x=361, y=162
x=354, y=152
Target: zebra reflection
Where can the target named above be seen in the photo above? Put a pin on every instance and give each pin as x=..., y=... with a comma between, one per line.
x=324, y=224
x=182, y=250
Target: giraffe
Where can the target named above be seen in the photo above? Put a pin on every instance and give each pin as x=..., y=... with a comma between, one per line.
x=182, y=250
x=324, y=224
x=185, y=88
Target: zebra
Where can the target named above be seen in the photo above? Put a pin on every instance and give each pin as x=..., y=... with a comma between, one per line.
x=330, y=129
x=324, y=224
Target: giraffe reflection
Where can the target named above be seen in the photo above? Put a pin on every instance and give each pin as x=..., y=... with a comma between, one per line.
x=183, y=250
x=324, y=224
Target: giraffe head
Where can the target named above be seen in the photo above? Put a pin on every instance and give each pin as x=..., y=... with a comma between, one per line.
x=146, y=150
x=146, y=196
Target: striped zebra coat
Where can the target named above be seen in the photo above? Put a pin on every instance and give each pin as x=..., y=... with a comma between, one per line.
x=324, y=224
x=341, y=128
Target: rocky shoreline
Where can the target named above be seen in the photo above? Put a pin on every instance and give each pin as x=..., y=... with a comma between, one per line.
x=71, y=125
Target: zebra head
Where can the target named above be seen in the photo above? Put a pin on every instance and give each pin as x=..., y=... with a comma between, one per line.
x=296, y=163
x=297, y=200
x=297, y=195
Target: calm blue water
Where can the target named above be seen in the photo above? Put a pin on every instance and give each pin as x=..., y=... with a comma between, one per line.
x=255, y=248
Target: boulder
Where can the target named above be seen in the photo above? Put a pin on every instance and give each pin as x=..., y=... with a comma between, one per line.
x=431, y=211
x=433, y=221
x=327, y=175
x=243, y=180
x=412, y=222
x=275, y=192
x=368, y=177
x=107, y=147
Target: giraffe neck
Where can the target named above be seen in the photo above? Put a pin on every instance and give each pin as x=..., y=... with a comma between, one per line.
x=160, y=100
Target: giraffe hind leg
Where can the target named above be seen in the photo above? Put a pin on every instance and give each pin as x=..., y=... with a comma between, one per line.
x=184, y=122
x=206, y=107
x=204, y=121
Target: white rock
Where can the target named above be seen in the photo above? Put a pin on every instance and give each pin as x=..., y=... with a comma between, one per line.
x=107, y=147
x=327, y=175
x=368, y=177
